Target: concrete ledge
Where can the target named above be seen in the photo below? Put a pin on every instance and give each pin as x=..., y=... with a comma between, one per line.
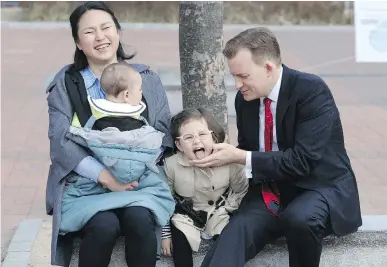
x=30, y=246
x=171, y=77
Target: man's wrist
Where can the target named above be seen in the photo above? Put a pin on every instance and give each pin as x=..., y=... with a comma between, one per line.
x=241, y=156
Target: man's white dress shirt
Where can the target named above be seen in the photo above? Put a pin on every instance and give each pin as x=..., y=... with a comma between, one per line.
x=273, y=96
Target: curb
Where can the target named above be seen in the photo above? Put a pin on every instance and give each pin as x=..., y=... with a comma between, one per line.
x=19, y=250
x=175, y=26
x=374, y=223
x=171, y=77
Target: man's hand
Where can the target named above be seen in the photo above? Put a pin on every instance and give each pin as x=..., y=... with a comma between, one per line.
x=223, y=154
x=110, y=182
x=166, y=245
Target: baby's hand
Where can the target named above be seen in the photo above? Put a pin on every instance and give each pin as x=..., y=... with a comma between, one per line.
x=166, y=246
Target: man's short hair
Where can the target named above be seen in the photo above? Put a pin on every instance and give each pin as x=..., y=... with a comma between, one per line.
x=117, y=77
x=261, y=42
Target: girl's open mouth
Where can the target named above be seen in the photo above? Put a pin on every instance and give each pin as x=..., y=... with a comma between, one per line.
x=199, y=152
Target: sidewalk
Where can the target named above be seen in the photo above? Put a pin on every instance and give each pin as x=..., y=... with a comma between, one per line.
x=31, y=56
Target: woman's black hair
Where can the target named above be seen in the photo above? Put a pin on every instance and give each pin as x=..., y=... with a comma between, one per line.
x=80, y=60
x=186, y=115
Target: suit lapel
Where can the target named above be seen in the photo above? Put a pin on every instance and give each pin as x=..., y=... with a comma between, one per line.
x=283, y=104
x=253, y=128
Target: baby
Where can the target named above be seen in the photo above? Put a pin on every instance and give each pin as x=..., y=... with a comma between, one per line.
x=122, y=87
x=118, y=135
x=122, y=84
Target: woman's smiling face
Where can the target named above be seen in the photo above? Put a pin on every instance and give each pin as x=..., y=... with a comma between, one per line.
x=98, y=37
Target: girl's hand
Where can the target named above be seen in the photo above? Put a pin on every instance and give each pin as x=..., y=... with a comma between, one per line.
x=166, y=246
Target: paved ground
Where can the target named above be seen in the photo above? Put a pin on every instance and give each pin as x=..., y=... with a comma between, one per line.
x=30, y=56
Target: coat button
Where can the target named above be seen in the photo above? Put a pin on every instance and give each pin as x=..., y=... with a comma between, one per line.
x=211, y=202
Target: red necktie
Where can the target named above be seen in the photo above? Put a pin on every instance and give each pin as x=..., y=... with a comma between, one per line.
x=270, y=192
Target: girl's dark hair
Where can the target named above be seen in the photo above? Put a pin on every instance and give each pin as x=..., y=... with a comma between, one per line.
x=80, y=60
x=186, y=115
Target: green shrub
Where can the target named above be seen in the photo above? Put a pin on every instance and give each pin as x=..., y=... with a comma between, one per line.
x=248, y=12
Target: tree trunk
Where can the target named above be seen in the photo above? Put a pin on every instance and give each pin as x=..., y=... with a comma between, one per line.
x=201, y=58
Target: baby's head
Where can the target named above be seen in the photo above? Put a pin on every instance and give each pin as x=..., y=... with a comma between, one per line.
x=195, y=131
x=122, y=84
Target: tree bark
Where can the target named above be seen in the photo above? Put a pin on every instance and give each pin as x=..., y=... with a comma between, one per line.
x=201, y=59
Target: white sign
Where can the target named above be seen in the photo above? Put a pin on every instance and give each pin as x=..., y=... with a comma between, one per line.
x=371, y=31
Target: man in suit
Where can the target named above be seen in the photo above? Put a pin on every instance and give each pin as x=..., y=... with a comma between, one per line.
x=290, y=139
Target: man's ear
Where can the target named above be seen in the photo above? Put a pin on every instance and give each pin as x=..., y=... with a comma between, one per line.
x=269, y=67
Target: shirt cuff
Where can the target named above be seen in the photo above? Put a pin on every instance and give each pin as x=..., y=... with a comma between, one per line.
x=90, y=168
x=248, y=168
x=166, y=232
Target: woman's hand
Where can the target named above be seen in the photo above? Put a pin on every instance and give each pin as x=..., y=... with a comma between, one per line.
x=166, y=246
x=110, y=182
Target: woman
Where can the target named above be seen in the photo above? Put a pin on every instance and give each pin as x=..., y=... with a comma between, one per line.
x=96, y=33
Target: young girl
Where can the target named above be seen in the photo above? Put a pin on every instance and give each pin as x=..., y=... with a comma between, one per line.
x=205, y=197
